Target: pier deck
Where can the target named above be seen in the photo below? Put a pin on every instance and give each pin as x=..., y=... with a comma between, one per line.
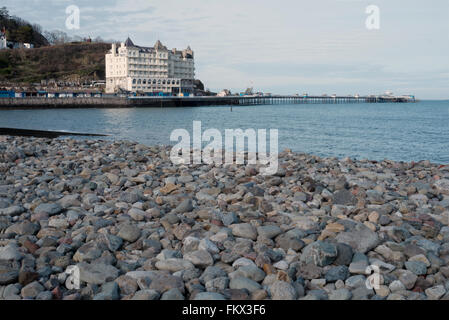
x=117, y=102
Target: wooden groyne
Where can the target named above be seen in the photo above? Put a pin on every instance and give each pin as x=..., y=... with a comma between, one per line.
x=123, y=102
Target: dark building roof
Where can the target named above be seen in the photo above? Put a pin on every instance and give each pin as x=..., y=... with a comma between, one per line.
x=188, y=53
x=129, y=43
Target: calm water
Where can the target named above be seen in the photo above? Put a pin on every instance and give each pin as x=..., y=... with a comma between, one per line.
x=364, y=131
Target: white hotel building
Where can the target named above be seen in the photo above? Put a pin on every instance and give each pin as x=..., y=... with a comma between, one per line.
x=149, y=69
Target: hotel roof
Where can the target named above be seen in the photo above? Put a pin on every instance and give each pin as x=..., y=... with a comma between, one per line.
x=158, y=46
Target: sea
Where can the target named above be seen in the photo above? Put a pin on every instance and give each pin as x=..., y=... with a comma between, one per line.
x=394, y=131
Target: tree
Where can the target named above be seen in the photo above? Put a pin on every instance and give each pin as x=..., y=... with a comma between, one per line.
x=24, y=34
x=50, y=36
x=4, y=13
x=4, y=60
x=37, y=28
x=57, y=37
x=62, y=37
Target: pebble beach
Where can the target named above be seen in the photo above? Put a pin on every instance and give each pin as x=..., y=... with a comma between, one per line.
x=138, y=227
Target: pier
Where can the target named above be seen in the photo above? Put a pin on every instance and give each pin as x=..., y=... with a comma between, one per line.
x=323, y=99
x=110, y=101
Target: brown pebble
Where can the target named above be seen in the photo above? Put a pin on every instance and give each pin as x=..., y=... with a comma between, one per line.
x=57, y=293
x=282, y=276
x=26, y=277
x=30, y=246
x=259, y=295
x=268, y=268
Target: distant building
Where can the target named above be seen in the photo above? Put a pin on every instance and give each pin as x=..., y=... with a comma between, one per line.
x=19, y=45
x=224, y=93
x=5, y=44
x=3, y=41
x=149, y=69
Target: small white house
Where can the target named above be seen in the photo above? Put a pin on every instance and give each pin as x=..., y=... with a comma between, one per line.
x=19, y=45
x=5, y=44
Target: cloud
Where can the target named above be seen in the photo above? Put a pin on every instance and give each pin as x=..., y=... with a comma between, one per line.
x=278, y=45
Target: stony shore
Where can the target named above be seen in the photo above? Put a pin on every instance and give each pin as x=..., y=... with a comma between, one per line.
x=139, y=227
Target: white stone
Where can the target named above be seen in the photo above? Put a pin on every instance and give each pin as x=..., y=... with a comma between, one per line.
x=206, y=244
x=243, y=262
x=396, y=286
x=281, y=265
x=436, y=292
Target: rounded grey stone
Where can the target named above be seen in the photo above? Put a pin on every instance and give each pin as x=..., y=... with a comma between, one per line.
x=172, y=294
x=244, y=283
x=209, y=296
x=129, y=233
x=281, y=290
x=48, y=208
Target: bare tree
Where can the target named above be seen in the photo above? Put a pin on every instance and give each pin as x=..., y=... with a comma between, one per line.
x=37, y=28
x=57, y=37
x=50, y=36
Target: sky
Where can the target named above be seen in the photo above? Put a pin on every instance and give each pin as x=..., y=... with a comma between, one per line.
x=283, y=46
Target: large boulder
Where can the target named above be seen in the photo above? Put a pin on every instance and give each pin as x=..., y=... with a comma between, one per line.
x=359, y=237
x=319, y=253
